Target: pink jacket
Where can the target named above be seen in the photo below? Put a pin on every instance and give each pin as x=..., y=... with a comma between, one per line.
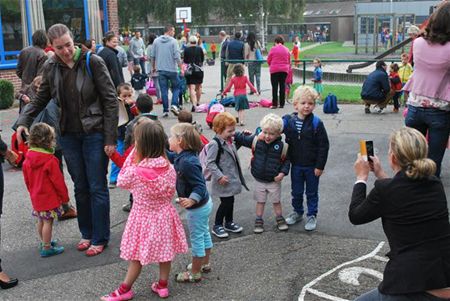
x=240, y=85
x=431, y=76
x=279, y=59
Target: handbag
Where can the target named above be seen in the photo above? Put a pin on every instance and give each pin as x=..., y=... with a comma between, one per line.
x=258, y=55
x=123, y=115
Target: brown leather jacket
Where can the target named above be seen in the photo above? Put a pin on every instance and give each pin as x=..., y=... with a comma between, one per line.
x=29, y=64
x=98, y=105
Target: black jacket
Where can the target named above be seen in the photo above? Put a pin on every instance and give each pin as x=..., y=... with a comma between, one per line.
x=3, y=148
x=309, y=148
x=98, y=103
x=29, y=63
x=376, y=86
x=414, y=215
x=266, y=162
x=109, y=55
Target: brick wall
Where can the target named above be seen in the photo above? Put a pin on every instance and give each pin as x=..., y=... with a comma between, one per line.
x=113, y=16
x=12, y=77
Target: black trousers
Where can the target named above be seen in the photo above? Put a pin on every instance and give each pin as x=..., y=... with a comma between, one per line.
x=1, y=200
x=278, y=81
x=225, y=211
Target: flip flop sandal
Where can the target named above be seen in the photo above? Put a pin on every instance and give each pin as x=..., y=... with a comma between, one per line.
x=83, y=245
x=188, y=277
x=95, y=250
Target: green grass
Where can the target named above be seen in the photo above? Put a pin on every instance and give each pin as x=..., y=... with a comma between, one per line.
x=329, y=48
x=344, y=93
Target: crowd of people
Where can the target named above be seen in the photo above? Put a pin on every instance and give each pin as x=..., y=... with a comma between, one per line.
x=99, y=121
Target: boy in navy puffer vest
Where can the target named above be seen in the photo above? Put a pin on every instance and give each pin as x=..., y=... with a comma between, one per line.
x=269, y=166
x=308, y=153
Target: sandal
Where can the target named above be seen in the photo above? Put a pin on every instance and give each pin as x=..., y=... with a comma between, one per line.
x=206, y=268
x=83, y=245
x=95, y=250
x=116, y=296
x=188, y=277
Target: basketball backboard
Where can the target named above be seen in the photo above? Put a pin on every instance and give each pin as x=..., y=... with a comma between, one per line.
x=183, y=13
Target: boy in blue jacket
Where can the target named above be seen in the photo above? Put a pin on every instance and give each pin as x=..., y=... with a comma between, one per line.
x=269, y=166
x=308, y=153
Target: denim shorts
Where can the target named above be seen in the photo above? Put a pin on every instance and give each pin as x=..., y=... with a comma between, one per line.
x=198, y=224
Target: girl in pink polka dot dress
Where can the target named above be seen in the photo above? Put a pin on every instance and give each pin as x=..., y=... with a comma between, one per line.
x=153, y=232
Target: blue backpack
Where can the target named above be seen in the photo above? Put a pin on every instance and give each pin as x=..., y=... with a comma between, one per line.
x=330, y=105
x=228, y=101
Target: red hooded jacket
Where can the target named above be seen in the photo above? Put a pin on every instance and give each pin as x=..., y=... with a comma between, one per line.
x=44, y=180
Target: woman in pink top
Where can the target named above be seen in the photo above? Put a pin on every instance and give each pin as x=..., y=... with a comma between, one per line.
x=240, y=83
x=279, y=60
x=429, y=85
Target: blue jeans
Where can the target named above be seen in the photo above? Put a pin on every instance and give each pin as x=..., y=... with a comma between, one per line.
x=198, y=224
x=114, y=168
x=437, y=123
x=376, y=295
x=164, y=78
x=88, y=166
x=299, y=177
x=140, y=63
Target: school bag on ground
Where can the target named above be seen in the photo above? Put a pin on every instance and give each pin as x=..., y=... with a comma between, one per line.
x=228, y=101
x=213, y=111
x=203, y=158
x=330, y=104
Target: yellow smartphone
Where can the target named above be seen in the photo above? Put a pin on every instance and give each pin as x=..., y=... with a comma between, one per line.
x=366, y=149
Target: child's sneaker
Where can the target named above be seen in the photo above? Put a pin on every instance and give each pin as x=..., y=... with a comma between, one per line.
x=293, y=218
x=281, y=224
x=174, y=109
x=311, y=224
x=259, y=226
x=232, y=227
x=161, y=292
x=116, y=296
x=219, y=231
x=126, y=207
x=53, y=250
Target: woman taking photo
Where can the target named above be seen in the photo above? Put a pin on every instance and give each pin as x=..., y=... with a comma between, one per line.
x=279, y=60
x=194, y=58
x=254, y=68
x=429, y=86
x=413, y=209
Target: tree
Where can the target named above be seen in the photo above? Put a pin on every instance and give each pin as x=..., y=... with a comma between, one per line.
x=261, y=11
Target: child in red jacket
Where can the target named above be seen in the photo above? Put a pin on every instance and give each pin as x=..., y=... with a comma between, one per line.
x=45, y=183
x=396, y=85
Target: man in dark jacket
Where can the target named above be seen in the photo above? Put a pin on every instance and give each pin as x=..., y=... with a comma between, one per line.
x=32, y=58
x=376, y=88
x=234, y=51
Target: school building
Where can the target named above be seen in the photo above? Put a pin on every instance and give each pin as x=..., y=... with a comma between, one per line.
x=87, y=19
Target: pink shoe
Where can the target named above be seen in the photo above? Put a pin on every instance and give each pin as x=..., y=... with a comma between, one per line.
x=161, y=292
x=126, y=296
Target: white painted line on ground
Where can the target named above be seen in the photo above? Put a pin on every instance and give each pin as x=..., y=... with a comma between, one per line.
x=325, y=296
x=351, y=275
x=381, y=258
x=333, y=298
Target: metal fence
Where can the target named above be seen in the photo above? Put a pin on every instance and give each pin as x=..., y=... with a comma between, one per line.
x=343, y=78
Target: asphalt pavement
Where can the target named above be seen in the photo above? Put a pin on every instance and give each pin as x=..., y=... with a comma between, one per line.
x=323, y=265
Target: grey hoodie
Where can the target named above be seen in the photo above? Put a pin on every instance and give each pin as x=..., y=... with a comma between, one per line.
x=137, y=47
x=166, y=54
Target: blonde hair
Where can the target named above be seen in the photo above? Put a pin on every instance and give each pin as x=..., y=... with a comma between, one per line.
x=304, y=92
x=410, y=148
x=222, y=120
x=273, y=122
x=190, y=138
x=318, y=61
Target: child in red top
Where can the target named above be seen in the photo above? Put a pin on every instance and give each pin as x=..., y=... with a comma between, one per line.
x=396, y=85
x=240, y=83
x=45, y=183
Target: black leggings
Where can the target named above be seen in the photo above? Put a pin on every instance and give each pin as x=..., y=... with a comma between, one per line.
x=225, y=210
x=278, y=79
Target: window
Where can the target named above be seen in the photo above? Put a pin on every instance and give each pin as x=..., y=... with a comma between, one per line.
x=366, y=25
x=68, y=12
x=12, y=30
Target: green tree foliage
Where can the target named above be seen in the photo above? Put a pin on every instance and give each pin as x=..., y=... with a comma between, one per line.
x=6, y=94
